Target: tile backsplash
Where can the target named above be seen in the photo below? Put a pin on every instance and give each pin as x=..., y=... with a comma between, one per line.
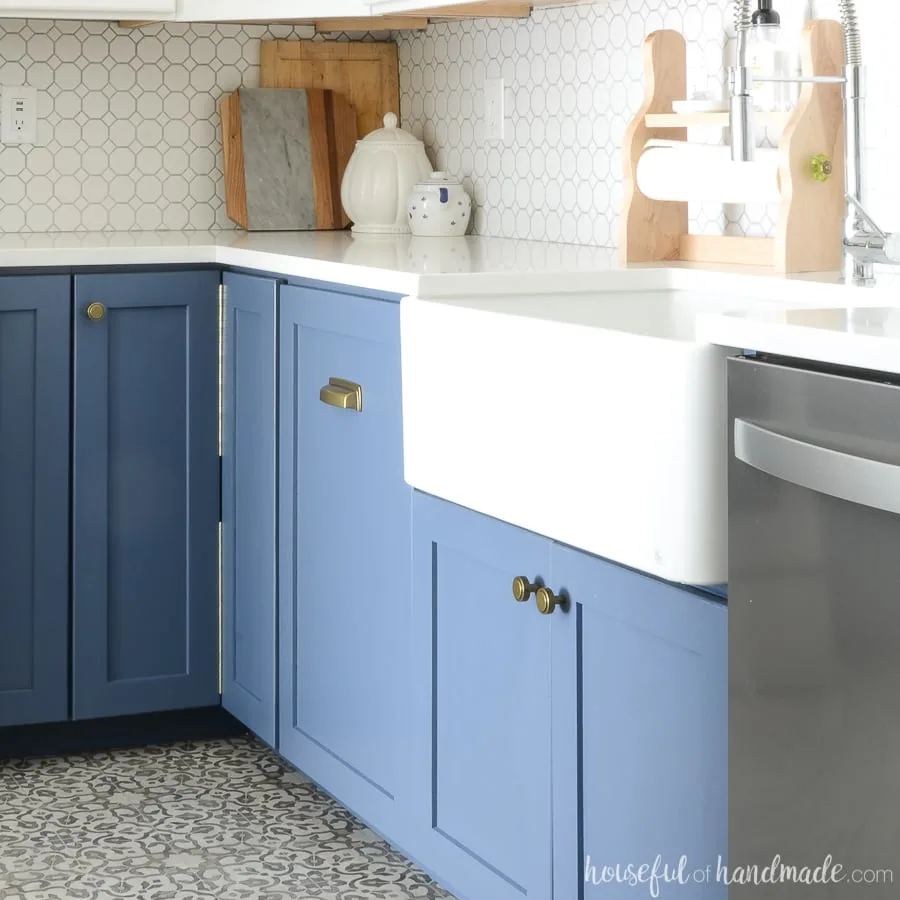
x=574, y=77
x=128, y=123
x=129, y=129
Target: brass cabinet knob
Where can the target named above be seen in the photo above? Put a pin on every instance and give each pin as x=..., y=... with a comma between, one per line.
x=522, y=588
x=547, y=601
x=96, y=311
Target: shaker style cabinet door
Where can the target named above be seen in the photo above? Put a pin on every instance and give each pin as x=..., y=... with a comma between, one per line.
x=343, y=559
x=481, y=706
x=640, y=729
x=35, y=313
x=145, y=493
x=248, y=502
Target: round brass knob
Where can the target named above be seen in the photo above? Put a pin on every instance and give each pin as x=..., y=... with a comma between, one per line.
x=96, y=311
x=547, y=601
x=522, y=588
x=821, y=167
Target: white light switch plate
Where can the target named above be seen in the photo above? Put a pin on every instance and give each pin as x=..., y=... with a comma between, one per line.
x=18, y=116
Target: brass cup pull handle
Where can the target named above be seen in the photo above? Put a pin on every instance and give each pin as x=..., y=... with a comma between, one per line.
x=342, y=394
x=547, y=601
x=522, y=588
x=95, y=311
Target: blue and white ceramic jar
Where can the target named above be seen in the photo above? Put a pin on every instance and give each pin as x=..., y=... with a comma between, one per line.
x=439, y=207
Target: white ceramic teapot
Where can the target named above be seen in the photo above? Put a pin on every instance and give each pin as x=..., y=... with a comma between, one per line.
x=439, y=206
x=380, y=174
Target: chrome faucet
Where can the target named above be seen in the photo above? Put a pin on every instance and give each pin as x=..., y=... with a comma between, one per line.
x=865, y=244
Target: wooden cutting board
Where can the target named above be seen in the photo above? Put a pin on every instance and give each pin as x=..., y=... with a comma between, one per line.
x=285, y=152
x=366, y=73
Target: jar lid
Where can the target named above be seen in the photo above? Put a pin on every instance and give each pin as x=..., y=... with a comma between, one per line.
x=390, y=134
x=439, y=179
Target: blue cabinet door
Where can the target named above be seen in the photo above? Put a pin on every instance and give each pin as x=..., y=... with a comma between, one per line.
x=145, y=493
x=35, y=313
x=481, y=706
x=248, y=502
x=344, y=521
x=640, y=730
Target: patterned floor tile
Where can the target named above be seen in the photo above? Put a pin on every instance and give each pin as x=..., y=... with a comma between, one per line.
x=222, y=820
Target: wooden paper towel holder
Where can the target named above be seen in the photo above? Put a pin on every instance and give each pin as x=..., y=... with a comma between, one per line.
x=808, y=237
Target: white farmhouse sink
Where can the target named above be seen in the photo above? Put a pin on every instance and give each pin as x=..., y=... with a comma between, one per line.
x=595, y=419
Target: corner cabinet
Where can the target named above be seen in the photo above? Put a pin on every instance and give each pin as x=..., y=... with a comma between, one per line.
x=35, y=313
x=145, y=493
x=550, y=746
x=343, y=549
x=248, y=502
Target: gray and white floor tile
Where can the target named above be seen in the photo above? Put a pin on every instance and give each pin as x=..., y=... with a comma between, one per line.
x=218, y=820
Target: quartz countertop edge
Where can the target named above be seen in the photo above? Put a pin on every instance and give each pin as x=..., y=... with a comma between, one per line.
x=428, y=268
x=861, y=337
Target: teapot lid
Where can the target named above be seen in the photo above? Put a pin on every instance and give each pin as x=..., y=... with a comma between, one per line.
x=391, y=133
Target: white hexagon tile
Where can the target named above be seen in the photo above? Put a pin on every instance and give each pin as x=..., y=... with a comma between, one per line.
x=574, y=78
x=129, y=138
x=128, y=124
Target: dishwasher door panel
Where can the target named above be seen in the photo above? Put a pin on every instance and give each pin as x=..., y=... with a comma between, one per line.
x=814, y=626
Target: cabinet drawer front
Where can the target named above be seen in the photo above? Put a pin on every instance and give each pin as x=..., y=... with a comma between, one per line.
x=344, y=549
x=145, y=599
x=482, y=705
x=34, y=498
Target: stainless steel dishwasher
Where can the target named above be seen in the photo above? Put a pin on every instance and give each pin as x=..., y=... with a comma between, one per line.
x=814, y=629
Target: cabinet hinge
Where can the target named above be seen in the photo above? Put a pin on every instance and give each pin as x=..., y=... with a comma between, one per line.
x=220, y=490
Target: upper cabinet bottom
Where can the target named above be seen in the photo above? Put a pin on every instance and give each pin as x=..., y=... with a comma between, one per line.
x=34, y=499
x=146, y=493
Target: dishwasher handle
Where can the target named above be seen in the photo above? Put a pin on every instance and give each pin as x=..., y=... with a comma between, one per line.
x=867, y=482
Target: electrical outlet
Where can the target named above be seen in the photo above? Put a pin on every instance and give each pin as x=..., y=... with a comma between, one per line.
x=18, y=117
x=494, y=109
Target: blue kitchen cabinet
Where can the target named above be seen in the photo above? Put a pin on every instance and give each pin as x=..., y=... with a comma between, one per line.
x=481, y=713
x=640, y=729
x=343, y=549
x=145, y=493
x=35, y=313
x=551, y=748
x=248, y=502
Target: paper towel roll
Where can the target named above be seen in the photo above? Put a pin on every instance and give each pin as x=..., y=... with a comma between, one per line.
x=675, y=170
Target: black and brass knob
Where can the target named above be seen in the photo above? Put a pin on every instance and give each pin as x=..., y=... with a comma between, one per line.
x=95, y=311
x=547, y=601
x=522, y=588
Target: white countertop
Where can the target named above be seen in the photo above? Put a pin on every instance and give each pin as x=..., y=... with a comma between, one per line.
x=859, y=337
x=401, y=264
x=427, y=267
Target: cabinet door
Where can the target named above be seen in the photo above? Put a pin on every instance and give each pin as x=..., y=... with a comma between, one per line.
x=35, y=313
x=146, y=493
x=640, y=729
x=248, y=503
x=344, y=520
x=481, y=710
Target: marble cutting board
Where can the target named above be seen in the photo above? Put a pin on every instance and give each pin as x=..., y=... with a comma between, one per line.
x=285, y=151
